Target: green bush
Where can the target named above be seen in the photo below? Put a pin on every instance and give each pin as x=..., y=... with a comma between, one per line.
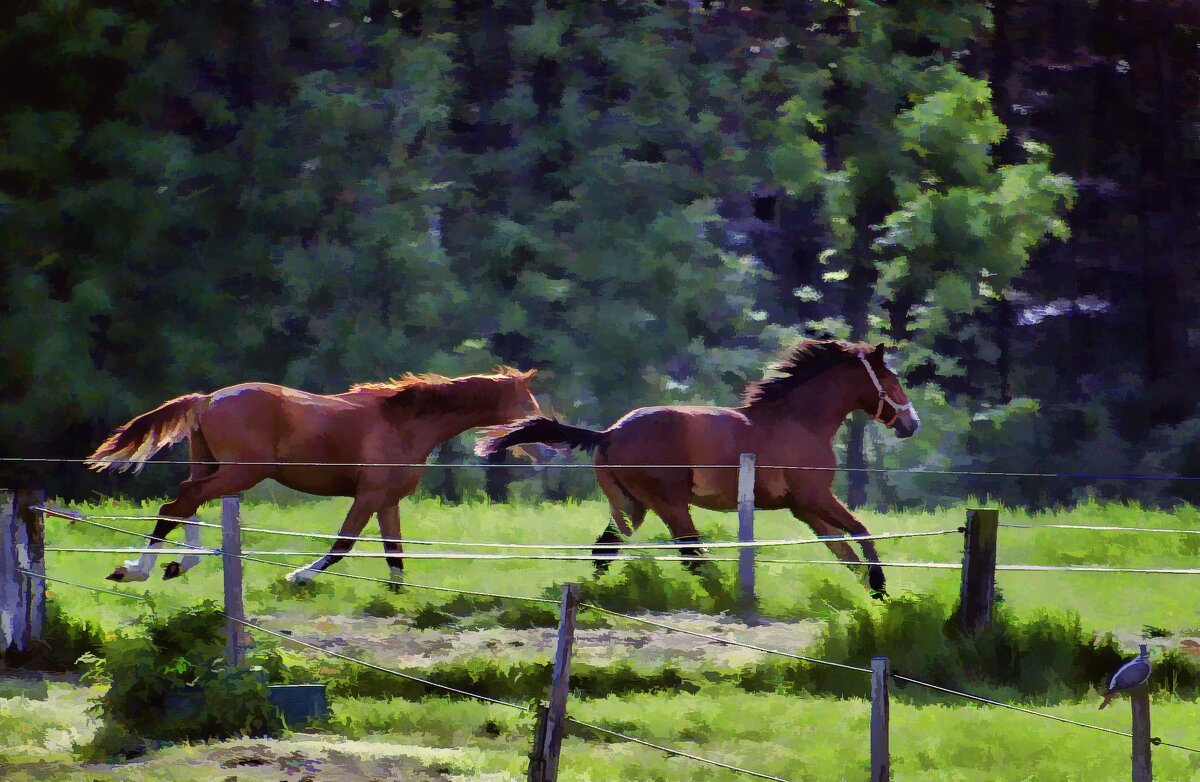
x=167, y=680
x=1047, y=656
x=67, y=638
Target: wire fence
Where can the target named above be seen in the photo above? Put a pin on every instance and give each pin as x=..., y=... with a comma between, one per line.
x=124, y=464
x=90, y=519
x=255, y=556
x=641, y=620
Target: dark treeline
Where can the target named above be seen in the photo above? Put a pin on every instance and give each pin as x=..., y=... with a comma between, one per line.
x=645, y=201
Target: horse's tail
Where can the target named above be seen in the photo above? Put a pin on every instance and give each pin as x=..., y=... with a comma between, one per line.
x=539, y=429
x=135, y=442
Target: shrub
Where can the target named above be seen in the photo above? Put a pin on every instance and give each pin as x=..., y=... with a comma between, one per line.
x=167, y=679
x=1047, y=656
x=67, y=639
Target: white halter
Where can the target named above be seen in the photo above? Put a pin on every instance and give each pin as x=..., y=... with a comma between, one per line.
x=883, y=397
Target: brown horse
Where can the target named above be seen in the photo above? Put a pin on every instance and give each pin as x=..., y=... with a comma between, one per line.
x=788, y=420
x=347, y=445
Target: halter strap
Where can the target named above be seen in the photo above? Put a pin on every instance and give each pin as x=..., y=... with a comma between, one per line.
x=883, y=397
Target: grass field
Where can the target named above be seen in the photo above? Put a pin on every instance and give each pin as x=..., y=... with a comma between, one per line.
x=786, y=735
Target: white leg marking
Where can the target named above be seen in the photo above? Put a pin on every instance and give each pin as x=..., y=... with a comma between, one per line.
x=306, y=574
x=192, y=535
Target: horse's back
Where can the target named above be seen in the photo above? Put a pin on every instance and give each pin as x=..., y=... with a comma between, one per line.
x=678, y=434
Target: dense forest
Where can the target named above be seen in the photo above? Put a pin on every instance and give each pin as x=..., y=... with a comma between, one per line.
x=646, y=201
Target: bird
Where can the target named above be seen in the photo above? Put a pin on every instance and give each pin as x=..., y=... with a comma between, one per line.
x=1130, y=675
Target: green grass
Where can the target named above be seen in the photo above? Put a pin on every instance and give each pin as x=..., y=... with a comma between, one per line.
x=762, y=725
x=1105, y=601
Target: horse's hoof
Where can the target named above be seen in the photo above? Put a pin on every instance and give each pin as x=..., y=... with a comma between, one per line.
x=300, y=577
x=879, y=594
x=125, y=574
x=172, y=570
x=875, y=579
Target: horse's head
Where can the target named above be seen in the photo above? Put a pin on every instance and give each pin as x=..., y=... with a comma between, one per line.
x=517, y=400
x=888, y=403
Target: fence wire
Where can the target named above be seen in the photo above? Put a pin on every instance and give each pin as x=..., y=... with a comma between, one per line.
x=125, y=463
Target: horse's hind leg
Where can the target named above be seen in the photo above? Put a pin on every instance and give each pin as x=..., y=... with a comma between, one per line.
x=356, y=521
x=636, y=513
x=207, y=482
x=389, y=528
x=623, y=506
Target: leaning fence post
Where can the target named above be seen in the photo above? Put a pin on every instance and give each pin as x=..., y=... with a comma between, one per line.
x=543, y=761
x=979, y=571
x=881, y=765
x=231, y=562
x=22, y=597
x=1139, y=702
x=746, y=597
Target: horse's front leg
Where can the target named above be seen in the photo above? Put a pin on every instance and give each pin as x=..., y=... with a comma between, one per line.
x=389, y=528
x=356, y=520
x=834, y=513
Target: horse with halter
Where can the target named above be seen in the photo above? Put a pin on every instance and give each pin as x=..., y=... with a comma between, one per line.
x=788, y=420
x=368, y=443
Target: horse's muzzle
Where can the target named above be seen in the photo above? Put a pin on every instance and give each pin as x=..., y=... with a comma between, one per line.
x=907, y=426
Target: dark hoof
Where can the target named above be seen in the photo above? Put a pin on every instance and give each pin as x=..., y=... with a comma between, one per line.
x=172, y=570
x=876, y=580
x=117, y=575
x=602, y=565
x=879, y=594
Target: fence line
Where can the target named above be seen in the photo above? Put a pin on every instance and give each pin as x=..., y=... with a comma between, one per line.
x=663, y=626
x=298, y=642
x=200, y=551
x=676, y=752
x=1102, y=528
x=75, y=516
x=544, y=465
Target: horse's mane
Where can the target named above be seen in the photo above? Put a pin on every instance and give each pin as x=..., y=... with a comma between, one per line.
x=434, y=391
x=799, y=365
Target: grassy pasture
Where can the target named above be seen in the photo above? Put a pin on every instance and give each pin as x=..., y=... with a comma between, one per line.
x=794, y=737
x=1123, y=603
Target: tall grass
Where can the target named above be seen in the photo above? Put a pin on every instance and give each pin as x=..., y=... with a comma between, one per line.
x=1122, y=603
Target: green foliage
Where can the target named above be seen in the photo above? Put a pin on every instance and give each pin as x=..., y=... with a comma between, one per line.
x=166, y=679
x=1046, y=656
x=69, y=638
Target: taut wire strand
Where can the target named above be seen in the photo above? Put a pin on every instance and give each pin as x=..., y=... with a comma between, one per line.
x=540, y=466
x=298, y=642
x=676, y=752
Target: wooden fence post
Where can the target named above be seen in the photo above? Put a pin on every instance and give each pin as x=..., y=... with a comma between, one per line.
x=746, y=597
x=543, y=761
x=231, y=564
x=1139, y=703
x=979, y=571
x=881, y=764
x=22, y=597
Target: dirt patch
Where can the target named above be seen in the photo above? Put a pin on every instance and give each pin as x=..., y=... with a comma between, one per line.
x=393, y=642
x=300, y=759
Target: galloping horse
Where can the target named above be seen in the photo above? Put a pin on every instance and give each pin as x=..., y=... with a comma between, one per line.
x=788, y=420
x=346, y=445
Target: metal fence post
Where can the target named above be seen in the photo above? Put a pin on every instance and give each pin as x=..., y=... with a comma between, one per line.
x=746, y=597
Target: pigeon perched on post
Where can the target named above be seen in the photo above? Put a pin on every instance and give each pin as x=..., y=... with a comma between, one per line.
x=1130, y=675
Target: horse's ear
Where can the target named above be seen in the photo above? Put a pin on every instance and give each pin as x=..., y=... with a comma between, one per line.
x=880, y=350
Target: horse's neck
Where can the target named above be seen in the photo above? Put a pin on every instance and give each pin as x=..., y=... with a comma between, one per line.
x=821, y=405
